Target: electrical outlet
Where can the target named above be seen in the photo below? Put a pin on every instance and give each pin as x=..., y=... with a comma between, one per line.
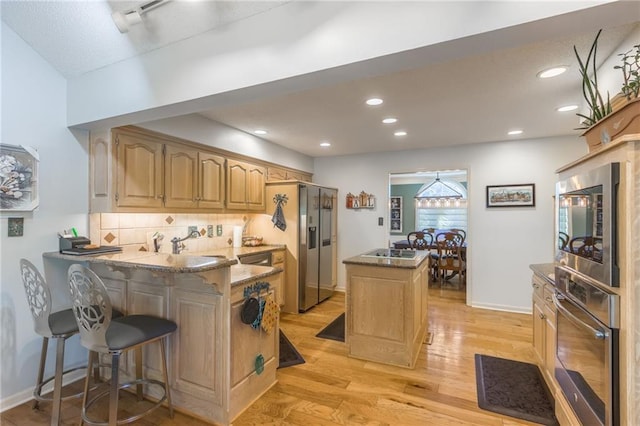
x=219, y=230
x=193, y=229
x=209, y=231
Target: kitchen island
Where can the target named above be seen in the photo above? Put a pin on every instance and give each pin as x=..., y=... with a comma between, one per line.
x=386, y=305
x=212, y=356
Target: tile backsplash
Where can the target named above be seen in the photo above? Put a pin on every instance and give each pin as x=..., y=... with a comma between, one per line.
x=134, y=231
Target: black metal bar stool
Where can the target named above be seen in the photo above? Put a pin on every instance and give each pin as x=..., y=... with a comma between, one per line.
x=100, y=333
x=50, y=325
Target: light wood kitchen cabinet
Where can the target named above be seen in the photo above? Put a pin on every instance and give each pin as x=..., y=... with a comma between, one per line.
x=386, y=312
x=278, y=260
x=544, y=327
x=245, y=186
x=193, y=179
x=139, y=171
x=275, y=174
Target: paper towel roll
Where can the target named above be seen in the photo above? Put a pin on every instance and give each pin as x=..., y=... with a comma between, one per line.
x=237, y=236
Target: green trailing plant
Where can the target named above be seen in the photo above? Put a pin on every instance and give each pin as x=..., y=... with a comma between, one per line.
x=630, y=71
x=598, y=108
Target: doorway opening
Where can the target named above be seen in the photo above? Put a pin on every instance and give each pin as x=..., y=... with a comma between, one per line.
x=435, y=200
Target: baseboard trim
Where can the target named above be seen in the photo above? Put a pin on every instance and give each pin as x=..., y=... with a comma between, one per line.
x=503, y=308
x=27, y=394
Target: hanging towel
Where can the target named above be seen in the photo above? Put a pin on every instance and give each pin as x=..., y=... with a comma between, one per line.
x=278, y=216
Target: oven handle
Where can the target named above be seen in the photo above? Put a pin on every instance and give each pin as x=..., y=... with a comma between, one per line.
x=599, y=335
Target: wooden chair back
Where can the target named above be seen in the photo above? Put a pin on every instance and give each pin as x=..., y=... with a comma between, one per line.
x=450, y=258
x=419, y=240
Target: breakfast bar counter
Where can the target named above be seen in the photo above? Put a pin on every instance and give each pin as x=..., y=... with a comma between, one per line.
x=386, y=312
x=213, y=355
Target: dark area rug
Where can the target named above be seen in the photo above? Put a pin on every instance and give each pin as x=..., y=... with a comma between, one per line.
x=335, y=330
x=288, y=353
x=515, y=389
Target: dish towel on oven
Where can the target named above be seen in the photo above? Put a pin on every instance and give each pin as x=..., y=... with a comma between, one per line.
x=278, y=216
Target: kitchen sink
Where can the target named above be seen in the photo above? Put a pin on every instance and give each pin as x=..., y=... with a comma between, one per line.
x=391, y=254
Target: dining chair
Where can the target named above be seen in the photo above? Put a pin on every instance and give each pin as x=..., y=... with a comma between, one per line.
x=419, y=240
x=59, y=325
x=563, y=240
x=100, y=333
x=587, y=247
x=450, y=256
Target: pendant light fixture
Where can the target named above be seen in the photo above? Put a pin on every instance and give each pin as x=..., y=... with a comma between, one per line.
x=438, y=194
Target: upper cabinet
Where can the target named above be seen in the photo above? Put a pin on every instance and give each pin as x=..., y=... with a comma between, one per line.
x=193, y=179
x=136, y=170
x=275, y=174
x=245, y=186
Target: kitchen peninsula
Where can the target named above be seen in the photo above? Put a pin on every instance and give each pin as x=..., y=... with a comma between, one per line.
x=386, y=313
x=212, y=356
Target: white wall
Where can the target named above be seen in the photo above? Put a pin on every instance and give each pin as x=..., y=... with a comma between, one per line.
x=502, y=242
x=34, y=114
x=295, y=40
x=196, y=128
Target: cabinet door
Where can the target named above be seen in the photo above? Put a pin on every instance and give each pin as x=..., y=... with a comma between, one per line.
x=236, y=185
x=211, y=181
x=139, y=171
x=198, y=351
x=256, y=178
x=539, y=324
x=181, y=177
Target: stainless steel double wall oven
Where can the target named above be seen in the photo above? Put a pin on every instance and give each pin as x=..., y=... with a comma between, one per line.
x=588, y=307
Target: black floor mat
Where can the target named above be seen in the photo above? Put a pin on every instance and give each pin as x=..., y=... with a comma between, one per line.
x=289, y=355
x=335, y=330
x=515, y=389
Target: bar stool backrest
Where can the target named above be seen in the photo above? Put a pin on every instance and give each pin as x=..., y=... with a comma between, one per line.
x=38, y=297
x=91, y=307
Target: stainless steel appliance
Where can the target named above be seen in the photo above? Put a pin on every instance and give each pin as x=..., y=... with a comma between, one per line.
x=261, y=259
x=587, y=347
x=586, y=211
x=316, y=257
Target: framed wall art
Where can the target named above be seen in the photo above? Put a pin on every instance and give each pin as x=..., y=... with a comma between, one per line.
x=18, y=178
x=522, y=195
x=395, y=210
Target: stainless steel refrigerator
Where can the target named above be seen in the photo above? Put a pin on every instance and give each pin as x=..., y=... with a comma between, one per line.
x=316, y=247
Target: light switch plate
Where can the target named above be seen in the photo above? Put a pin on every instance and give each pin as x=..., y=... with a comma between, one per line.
x=192, y=229
x=209, y=231
x=219, y=230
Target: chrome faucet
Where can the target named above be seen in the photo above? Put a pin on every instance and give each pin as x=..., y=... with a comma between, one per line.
x=176, y=247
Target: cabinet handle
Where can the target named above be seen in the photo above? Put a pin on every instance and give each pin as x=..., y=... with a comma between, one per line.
x=535, y=285
x=543, y=316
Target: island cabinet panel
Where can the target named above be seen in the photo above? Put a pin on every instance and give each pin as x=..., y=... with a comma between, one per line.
x=386, y=315
x=140, y=171
x=147, y=299
x=248, y=343
x=198, y=354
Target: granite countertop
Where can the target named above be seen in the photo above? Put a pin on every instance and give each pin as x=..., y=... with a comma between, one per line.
x=367, y=260
x=545, y=270
x=155, y=261
x=234, y=252
x=241, y=274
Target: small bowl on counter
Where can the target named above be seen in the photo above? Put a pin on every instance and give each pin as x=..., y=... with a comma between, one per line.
x=253, y=241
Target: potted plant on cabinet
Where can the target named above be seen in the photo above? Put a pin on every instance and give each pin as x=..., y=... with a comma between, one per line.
x=610, y=119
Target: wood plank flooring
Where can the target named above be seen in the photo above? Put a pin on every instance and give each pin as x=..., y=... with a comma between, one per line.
x=332, y=389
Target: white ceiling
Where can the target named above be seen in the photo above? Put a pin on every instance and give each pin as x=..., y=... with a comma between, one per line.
x=472, y=99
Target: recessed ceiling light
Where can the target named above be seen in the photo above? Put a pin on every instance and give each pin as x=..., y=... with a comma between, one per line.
x=567, y=108
x=374, y=101
x=260, y=132
x=325, y=144
x=515, y=132
x=400, y=133
x=552, y=72
x=389, y=120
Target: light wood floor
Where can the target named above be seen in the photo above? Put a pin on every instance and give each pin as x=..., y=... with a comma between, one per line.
x=332, y=389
